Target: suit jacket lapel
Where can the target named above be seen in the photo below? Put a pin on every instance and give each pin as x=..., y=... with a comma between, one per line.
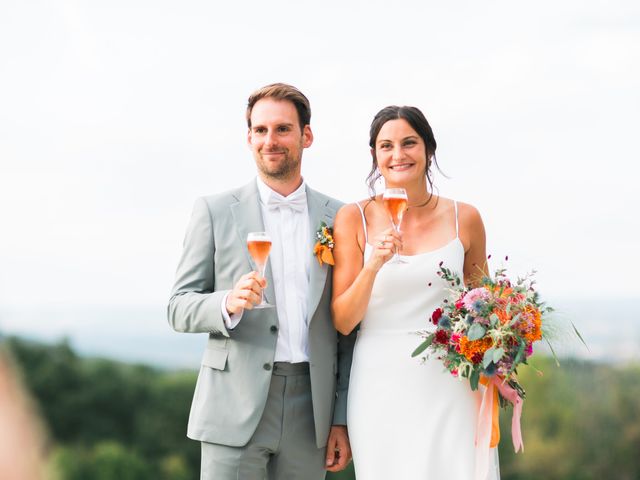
x=319, y=212
x=247, y=217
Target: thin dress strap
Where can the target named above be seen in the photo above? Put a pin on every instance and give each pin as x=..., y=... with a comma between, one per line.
x=455, y=205
x=364, y=223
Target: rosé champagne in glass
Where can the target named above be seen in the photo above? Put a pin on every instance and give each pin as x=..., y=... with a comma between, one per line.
x=396, y=202
x=259, y=245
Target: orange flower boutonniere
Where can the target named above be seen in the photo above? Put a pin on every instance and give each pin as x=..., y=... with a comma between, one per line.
x=323, y=249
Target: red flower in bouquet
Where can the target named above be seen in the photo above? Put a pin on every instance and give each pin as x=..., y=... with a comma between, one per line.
x=442, y=337
x=435, y=316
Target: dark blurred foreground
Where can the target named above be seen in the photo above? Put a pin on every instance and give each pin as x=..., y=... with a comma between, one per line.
x=108, y=420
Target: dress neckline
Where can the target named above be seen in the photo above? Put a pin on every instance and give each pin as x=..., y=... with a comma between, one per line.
x=428, y=252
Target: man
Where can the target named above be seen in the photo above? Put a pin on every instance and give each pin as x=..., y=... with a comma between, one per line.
x=271, y=393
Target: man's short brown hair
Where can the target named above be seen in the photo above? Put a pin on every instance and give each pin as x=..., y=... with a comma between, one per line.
x=282, y=91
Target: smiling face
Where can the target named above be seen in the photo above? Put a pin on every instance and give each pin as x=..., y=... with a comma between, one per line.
x=400, y=153
x=276, y=140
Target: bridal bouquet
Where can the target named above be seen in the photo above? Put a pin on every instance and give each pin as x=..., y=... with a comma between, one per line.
x=484, y=334
x=486, y=331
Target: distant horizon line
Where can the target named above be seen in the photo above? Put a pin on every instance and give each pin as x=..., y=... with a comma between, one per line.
x=587, y=298
x=173, y=366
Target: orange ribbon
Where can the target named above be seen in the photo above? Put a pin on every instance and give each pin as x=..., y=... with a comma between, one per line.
x=323, y=253
x=488, y=428
x=495, y=413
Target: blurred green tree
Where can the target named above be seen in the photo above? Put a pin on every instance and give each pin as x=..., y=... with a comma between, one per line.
x=105, y=461
x=580, y=421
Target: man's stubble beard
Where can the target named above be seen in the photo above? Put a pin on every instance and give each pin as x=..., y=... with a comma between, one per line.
x=286, y=170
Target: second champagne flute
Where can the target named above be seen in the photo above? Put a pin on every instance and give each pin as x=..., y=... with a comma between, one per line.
x=395, y=201
x=259, y=245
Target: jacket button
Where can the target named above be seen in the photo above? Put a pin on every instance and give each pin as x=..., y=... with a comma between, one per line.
x=267, y=366
x=273, y=328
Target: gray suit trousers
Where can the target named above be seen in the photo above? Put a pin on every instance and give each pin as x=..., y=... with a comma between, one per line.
x=283, y=446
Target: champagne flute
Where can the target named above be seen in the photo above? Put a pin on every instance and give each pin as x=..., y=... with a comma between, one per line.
x=259, y=245
x=395, y=201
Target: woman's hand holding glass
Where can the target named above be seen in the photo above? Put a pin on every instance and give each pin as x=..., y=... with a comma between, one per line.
x=384, y=247
x=396, y=202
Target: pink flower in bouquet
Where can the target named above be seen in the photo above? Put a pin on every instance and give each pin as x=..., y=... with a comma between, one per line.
x=528, y=350
x=475, y=295
x=518, y=298
x=455, y=340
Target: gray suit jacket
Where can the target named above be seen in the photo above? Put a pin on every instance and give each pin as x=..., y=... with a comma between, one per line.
x=234, y=377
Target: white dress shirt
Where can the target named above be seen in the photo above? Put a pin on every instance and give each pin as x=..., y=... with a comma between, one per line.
x=290, y=261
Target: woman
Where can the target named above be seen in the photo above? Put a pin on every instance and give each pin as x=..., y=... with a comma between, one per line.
x=406, y=419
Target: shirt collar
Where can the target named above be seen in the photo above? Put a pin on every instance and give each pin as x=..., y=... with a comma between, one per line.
x=265, y=191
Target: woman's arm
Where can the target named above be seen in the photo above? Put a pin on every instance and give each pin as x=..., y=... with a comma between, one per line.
x=353, y=280
x=472, y=235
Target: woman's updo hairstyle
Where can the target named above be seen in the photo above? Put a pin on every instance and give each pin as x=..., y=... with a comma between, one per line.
x=419, y=123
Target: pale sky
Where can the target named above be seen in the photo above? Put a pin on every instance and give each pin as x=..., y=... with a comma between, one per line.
x=115, y=116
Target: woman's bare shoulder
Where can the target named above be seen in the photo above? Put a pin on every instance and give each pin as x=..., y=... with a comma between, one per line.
x=467, y=212
x=349, y=216
x=472, y=230
x=350, y=211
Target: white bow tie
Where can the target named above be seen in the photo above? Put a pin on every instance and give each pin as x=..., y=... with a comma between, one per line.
x=297, y=201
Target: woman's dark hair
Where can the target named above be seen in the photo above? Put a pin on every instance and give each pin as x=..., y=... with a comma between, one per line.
x=419, y=123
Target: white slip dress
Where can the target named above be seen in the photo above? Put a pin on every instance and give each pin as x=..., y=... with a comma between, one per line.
x=409, y=418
